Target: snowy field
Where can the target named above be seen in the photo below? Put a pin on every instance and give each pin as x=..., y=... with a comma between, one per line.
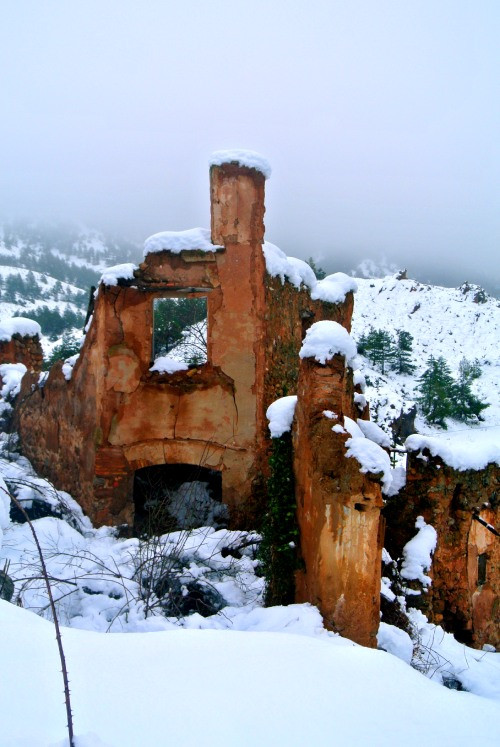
x=209, y=687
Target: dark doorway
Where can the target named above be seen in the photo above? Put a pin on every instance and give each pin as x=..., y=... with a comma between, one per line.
x=169, y=497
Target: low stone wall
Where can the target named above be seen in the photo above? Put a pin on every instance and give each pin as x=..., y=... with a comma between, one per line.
x=22, y=349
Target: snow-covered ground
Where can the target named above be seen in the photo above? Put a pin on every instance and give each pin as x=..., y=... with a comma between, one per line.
x=211, y=687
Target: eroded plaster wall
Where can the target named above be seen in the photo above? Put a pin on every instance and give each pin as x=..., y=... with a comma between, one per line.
x=338, y=507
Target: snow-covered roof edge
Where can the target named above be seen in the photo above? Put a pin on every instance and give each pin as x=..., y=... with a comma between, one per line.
x=112, y=275
x=249, y=158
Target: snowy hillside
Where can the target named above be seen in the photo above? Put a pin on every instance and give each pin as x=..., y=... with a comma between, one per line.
x=452, y=323
x=40, y=246
x=46, y=272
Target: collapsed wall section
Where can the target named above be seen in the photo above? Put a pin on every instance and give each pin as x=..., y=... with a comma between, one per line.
x=464, y=596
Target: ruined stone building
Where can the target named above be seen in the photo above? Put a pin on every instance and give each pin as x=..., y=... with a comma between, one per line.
x=97, y=427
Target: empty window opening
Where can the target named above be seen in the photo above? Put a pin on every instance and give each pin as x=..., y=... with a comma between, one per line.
x=180, y=329
x=481, y=568
x=169, y=497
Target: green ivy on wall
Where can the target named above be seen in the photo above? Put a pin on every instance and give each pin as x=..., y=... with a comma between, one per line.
x=280, y=534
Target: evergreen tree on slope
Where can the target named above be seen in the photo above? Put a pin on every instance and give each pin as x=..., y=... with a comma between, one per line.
x=466, y=406
x=378, y=346
x=437, y=389
x=402, y=353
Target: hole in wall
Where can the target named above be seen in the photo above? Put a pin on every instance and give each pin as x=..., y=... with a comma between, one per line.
x=169, y=497
x=360, y=507
x=456, y=501
x=481, y=568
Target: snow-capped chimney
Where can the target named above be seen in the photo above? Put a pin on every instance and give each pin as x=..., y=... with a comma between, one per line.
x=237, y=196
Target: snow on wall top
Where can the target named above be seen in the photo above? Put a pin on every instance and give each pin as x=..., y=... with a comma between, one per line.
x=248, y=158
x=11, y=375
x=279, y=265
x=371, y=457
x=325, y=339
x=333, y=288
x=280, y=415
x=193, y=239
x=366, y=449
x=17, y=325
x=69, y=365
x=461, y=454
x=169, y=365
x=112, y=275
x=375, y=433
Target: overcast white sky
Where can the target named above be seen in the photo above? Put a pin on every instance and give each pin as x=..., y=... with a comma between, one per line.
x=380, y=119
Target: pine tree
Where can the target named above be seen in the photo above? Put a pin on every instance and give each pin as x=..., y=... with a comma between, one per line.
x=437, y=388
x=32, y=291
x=402, y=352
x=57, y=289
x=364, y=343
x=466, y=406
x=14, y=286
x=67, y=347
x=378, y=346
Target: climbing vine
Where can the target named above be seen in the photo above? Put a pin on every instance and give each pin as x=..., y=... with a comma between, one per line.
x=280, y=533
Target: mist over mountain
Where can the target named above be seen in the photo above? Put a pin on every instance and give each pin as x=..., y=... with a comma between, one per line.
x=78, y=254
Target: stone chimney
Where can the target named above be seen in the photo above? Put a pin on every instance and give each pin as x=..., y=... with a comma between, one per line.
x=237, y=209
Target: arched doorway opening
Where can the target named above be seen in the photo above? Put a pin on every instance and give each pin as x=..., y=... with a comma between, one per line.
x=169, y=497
